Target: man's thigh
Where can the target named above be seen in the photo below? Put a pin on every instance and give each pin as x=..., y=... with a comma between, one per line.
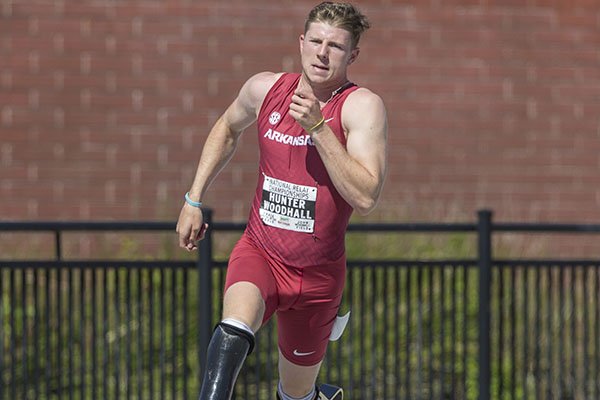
x=305, y=328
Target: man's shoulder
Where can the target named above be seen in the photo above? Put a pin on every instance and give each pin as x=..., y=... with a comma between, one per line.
x=264, y=80
x=363, y=107
x=363, y=99
x=362, y=94
x=258, y=85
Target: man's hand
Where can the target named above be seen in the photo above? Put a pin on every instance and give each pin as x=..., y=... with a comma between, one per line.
x=305, y=107
x=190, y=227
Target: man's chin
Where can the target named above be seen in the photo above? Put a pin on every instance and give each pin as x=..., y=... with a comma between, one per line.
x=317, y=77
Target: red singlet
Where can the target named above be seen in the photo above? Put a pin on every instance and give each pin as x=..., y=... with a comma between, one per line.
x=293, y=248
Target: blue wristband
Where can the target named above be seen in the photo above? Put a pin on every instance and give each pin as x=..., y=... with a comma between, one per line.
x=191, y=202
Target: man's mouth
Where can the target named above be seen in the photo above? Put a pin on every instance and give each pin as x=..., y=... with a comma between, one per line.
x=320, y=67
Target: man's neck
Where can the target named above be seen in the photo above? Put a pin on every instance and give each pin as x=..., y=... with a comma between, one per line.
x=324, y=92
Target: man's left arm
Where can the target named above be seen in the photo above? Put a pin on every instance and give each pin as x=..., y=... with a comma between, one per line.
x=358, y=170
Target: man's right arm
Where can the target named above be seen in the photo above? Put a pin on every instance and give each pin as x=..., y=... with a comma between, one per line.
x=218, y=150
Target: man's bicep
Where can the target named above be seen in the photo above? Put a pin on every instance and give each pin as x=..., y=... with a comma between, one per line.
x=242, y=111
x=238, y=116
x=366, y=122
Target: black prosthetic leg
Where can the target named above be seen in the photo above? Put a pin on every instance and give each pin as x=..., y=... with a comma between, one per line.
x=227, y=350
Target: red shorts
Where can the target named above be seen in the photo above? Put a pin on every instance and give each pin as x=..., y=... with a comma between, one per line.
x=306, y=299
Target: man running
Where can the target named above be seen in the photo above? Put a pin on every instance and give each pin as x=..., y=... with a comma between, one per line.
x=322, y=143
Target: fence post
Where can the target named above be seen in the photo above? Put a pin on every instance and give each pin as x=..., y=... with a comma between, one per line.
x=57, y=245
x=484, y=233
x=204, y=266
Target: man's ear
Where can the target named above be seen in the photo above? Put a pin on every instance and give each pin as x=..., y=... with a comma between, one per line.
x=301, y=40
x=353, y=55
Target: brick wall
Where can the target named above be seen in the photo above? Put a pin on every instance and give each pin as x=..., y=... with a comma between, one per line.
x=104, y=105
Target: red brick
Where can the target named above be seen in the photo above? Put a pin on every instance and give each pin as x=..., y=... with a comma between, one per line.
x=490, y=103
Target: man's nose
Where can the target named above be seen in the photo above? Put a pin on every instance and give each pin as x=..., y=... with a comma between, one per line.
x=323, y=51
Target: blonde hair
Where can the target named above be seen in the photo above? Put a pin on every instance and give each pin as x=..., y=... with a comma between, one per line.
x=341, y=15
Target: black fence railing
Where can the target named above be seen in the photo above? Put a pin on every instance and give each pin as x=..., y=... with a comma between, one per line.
x=480, y=328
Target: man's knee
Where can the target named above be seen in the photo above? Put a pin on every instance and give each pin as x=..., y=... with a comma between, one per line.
x=231, y=332
x=243, y=302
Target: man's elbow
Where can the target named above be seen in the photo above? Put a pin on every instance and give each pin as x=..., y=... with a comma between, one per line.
x=366, y=200
x=365, y=206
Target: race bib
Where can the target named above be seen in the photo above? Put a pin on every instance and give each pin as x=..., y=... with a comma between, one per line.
x=288, y=206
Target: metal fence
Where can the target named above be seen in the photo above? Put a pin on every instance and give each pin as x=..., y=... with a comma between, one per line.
x=479, y=328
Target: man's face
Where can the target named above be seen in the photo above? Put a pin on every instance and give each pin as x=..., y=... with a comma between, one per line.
x=326, y=52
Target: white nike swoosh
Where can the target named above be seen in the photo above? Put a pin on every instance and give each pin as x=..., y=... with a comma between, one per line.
x=297, y=353
x=330, y=119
